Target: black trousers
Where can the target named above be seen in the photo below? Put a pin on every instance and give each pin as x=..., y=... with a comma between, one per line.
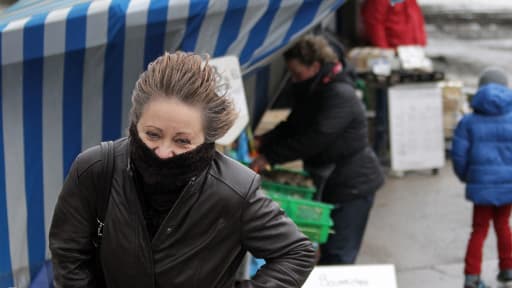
x=349, y=217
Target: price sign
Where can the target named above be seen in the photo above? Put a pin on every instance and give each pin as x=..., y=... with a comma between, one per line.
x=352, y=276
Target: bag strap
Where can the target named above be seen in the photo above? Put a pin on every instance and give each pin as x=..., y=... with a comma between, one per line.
x=105, y=185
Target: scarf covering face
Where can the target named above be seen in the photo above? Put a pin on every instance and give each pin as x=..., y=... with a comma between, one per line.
x=172, y=172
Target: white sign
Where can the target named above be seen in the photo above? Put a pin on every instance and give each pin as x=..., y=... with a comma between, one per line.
x=416, y=126
x=229, y=77
x=352, y=276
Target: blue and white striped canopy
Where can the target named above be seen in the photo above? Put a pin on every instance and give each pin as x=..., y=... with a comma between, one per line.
x=67, y=71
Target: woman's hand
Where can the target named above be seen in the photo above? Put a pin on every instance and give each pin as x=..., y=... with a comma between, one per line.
x=257, y=143
x=260, y=163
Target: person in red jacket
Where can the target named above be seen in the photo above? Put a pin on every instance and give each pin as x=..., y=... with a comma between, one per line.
x=391, y=23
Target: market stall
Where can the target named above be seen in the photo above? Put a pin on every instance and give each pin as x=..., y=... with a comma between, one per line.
x=407, y=95
x=67, y=70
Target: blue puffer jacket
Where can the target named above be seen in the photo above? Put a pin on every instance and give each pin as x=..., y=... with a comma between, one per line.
x=482, y=147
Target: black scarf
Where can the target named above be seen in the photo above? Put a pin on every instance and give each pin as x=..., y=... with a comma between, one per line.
x=172, y=172
x=304, y=85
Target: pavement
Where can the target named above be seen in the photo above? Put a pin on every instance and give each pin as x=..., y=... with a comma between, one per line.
x=421, y=224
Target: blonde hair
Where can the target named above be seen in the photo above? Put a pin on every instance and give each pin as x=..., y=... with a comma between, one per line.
x=186, y=77
x=311, y=48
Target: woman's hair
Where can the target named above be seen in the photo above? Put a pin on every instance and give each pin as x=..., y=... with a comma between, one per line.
x=186, y=77
x=311, y=48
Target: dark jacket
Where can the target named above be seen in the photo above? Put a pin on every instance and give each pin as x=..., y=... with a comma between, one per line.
x=482, y=147
x=217, y=219
x=327, y=126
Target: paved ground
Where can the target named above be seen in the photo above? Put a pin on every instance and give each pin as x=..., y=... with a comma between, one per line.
x=421, y=223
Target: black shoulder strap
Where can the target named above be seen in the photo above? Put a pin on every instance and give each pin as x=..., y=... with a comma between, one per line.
x=105, y=184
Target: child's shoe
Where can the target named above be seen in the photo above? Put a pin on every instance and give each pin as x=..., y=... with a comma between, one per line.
x=474, y=281
x=505, y=277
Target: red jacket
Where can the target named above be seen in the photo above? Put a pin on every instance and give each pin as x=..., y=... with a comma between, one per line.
x=388, y=26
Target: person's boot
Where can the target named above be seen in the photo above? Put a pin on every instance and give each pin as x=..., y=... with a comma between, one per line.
x=505, y=277
x=474, y=281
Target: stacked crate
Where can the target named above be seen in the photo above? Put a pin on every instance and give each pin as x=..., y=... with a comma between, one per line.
x=453, y=103
x=312, y=217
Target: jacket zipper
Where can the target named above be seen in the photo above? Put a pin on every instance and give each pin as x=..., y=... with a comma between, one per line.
x=185, y=190
x=145, y=235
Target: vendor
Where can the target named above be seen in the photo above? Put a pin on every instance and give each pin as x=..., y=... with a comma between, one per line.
x=327, y=129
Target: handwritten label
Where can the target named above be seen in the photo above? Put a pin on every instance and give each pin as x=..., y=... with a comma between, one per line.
x=416, y=126
x=352, y=276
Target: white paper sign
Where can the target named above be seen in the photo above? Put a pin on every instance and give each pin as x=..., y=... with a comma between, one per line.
x=230, y=77
x=416, y=126
x=352, y=276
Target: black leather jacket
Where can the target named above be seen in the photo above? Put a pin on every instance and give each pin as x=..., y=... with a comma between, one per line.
x=217, y=219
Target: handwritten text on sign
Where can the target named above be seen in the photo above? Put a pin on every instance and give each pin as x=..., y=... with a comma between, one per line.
x=352, y=276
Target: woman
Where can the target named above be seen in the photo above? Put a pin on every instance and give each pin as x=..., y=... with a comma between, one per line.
x=327, y=129
x=180, y=214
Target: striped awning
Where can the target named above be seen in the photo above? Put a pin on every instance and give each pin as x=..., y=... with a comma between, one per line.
x=67, y=71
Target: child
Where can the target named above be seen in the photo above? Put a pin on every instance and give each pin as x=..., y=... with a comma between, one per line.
x=482, y=158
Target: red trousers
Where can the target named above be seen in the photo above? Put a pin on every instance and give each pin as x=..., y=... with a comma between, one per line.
x=482, y=216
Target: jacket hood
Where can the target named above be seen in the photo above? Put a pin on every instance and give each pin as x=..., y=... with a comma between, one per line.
x=492, y=99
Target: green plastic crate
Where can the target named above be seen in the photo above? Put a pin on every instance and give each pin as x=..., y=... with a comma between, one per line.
x=290, y=190
x=312, y=218
x=307, y=210
x=279, y=199
x=318, y=233
x=303, y=210
x=282, y=200
x=281, y=168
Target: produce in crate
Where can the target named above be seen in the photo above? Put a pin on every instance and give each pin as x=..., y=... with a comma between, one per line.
x=288, y=177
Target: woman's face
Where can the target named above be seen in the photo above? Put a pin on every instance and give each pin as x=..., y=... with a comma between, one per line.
x=300, y=72
x=170, y=127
